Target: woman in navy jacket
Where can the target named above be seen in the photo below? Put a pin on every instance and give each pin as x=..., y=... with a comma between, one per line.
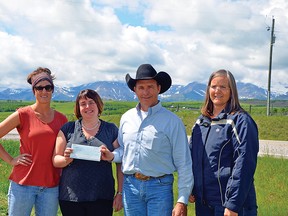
x=224, y=146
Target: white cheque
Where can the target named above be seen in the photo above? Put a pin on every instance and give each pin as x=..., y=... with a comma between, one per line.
x=85, y=152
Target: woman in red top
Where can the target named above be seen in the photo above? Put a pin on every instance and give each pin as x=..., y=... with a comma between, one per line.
x=34, y=180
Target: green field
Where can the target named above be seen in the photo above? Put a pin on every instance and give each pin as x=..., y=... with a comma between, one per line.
x=271, y=174
x=270, y=127
x=270, y=180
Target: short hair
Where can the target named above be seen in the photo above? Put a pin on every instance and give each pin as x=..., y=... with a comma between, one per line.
x=88, y=93
x=233, y=104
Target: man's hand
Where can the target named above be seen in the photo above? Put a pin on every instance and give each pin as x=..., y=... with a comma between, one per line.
x=180, y=209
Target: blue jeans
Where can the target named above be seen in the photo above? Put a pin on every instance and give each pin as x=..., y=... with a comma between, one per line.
x=148, y=198
x=21, y=200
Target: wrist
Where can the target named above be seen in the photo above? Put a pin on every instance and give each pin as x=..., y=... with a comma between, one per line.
x=120, y=193
x=181, y=203
x=112, y=158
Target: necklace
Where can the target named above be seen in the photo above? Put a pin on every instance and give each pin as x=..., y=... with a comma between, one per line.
x=92, y=128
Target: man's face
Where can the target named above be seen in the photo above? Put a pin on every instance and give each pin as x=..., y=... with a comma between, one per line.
x=147, y=92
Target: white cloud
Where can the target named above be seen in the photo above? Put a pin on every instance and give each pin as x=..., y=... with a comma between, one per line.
x=84, y=41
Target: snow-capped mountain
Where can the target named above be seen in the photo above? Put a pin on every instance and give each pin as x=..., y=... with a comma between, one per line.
x=118, y=91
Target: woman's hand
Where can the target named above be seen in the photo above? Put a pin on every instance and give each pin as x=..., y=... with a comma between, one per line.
x=23, y=159
x=192, y=198
x=67, y=153
x=106, y=154
x=117, y=203
x=229, y=212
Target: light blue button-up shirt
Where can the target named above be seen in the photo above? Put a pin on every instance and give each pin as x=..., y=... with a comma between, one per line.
x=155, y=146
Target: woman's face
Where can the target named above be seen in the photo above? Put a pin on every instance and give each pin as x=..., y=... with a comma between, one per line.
x=219, y=91
x=88, y=108
x=43, y=91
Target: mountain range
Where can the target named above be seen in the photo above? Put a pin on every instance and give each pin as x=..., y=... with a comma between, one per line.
x=118, y=91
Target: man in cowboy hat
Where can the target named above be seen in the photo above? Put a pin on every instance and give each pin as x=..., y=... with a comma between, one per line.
x=153, y=145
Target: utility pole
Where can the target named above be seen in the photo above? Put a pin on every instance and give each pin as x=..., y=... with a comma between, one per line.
x=270, y=66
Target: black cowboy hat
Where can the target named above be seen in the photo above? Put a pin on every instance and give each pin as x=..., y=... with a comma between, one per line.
x=146, y=72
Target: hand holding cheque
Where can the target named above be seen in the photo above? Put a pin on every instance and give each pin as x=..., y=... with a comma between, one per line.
x=83, y=152
x=87, y=152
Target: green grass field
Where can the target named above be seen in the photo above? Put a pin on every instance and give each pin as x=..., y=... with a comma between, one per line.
x=270, y=180
x=270, y=127
x=271, y=174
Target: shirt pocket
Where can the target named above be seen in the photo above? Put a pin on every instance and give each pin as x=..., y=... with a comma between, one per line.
x=155, y=141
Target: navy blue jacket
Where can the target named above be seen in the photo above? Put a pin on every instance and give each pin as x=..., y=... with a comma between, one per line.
x=224, y=153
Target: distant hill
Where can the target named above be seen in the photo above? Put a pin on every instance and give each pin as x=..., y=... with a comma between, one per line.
x=119, y=91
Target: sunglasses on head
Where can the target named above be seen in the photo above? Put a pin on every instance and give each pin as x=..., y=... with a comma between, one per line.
x=48, y=88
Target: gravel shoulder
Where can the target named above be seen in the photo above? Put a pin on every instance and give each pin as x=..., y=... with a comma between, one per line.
x=267, y=147
x=273, y=148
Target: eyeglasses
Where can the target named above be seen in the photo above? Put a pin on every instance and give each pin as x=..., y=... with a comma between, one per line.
x=48, y=88
x=221, y=88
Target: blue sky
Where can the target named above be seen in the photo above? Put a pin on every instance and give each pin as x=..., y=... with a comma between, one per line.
x=83, y=41
x=136, y=18
x=128, y=17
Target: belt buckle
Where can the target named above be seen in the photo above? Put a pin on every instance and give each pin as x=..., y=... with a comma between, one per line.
x=141, y=177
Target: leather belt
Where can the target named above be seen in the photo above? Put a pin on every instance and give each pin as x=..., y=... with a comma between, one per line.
x=142, y=177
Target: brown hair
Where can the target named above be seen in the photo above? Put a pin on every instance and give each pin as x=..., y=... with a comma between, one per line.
x=38, y=71
x=88, y=93
x=233, y=104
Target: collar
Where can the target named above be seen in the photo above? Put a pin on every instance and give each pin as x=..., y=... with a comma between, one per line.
x=151, y=110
